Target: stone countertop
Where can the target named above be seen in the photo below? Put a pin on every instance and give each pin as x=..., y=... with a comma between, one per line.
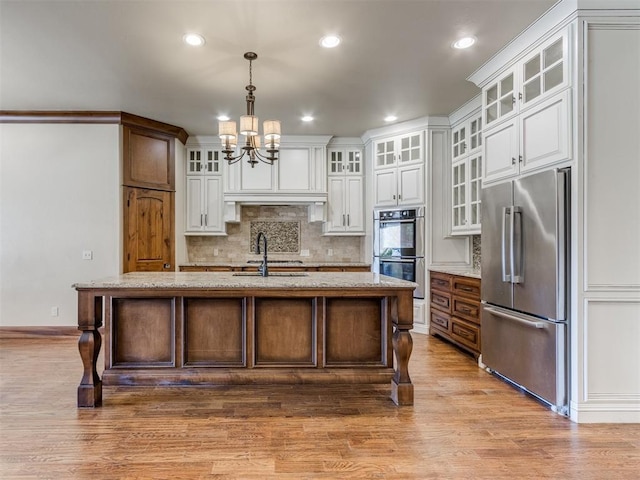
x=229, y=280
x=461, y=273
x=279, y=263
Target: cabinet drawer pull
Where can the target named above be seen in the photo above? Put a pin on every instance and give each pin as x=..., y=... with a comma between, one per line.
x=464, y=333
x=464, y=288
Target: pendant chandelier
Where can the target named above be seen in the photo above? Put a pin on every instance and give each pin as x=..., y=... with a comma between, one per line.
x=249, y=128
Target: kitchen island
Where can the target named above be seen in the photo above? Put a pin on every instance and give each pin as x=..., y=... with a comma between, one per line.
x=179, y=329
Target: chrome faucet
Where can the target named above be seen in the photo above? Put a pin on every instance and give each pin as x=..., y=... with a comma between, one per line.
x=262, y=269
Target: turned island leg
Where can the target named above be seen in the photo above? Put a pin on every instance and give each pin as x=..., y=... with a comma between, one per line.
x=402, y=318
x=89, y=321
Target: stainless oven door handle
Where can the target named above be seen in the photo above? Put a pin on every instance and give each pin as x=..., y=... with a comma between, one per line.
x=396, y=260
x=385, y=222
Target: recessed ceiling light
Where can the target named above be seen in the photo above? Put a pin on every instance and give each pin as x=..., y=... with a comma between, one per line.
x=464, y=42
x=330, y=41
x=307, y=118
x=390, y=118
x=223, y=118
x=193, y=39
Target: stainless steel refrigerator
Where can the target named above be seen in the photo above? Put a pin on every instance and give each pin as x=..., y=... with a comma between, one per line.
x=525, y=252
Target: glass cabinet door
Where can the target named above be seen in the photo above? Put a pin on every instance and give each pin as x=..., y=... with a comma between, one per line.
x=544, y=71
x=458, y=202
x=410, y=148
x=475, y=133
x=354, y=162
x=459, y=142
x=385, y=153
x=475, y=187
x=335, y=162
x=212, y=163
x=499, y=98
x=194, y=165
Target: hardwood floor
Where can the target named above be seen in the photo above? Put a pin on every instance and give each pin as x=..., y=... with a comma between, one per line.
x=465, y=424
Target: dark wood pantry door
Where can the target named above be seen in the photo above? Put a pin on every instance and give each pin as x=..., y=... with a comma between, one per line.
x=148, y=230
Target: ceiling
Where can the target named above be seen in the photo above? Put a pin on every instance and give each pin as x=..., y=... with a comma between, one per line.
x=395, y=58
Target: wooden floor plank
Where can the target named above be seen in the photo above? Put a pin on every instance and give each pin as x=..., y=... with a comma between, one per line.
x=464, y=424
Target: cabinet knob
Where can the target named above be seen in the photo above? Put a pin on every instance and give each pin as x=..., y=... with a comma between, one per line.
x=394, y=197
x=520, y=158
x=513, y=160
x=513, y=99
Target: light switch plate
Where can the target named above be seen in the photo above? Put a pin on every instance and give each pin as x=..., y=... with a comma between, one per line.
x=304, y=253
x=87, y=255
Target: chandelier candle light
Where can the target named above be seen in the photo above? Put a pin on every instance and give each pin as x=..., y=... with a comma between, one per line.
x=249, y=128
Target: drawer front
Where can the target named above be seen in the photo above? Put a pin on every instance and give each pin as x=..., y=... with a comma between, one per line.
x=440, y=320
x=441, y=300
x=465, y=333
x=468, y=287
x=440, y=281
x=466, y=309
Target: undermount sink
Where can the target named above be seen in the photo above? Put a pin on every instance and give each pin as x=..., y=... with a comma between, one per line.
x=274, y=274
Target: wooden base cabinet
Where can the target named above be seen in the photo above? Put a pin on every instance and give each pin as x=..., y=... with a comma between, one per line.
x=455, y=310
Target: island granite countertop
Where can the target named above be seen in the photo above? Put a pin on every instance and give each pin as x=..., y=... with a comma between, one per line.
x=230, y=280
x=276, y=263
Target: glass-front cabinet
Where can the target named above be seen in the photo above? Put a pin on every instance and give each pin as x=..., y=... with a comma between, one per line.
x=345, y=206
x=499, y=98
x=399, y=170
x=537, y=76
x=399, y=150
x=345, y=161
x=466, y=189
x=204, y=192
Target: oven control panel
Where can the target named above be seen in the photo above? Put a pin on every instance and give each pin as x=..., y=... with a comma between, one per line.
x=398, y=214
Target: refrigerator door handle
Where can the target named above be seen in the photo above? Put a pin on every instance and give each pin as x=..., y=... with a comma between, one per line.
x=519, y=320
x=516, y=253
x=503, y=247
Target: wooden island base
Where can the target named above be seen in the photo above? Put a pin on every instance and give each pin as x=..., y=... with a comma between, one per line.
x=276, y=332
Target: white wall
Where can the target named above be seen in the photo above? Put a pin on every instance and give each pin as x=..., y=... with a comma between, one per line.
x=59, y=195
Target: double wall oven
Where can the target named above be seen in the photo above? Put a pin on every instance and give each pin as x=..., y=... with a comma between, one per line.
x=398, y=245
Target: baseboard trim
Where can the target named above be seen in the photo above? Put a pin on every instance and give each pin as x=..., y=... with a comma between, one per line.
x=38, y=332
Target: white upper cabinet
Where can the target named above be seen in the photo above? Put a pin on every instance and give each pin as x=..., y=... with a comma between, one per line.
x=466, y=137
x=526, y=112
x=204, y=192
x=539, y=75
x=345, y=207
x=466, y=179
x=537, y=138
x=298, y=175
x=399, y=150
x=466, y=174
x=345, y=161
x=399, y=170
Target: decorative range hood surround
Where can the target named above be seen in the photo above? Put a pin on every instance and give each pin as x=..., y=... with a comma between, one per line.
x=299, y=177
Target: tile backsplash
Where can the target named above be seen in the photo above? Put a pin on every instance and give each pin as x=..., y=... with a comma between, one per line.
x=289, y=234
x=476, y=253
x=283, y=237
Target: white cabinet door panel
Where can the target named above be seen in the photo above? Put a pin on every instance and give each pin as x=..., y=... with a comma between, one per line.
x=194, y=203
x=410, y=181
x=213, y=197
x=293, y=170
x=385, y=188
x=501, y=151
x=544, y=137
x=257, y=178
x=336, y=204
x=354, y=203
